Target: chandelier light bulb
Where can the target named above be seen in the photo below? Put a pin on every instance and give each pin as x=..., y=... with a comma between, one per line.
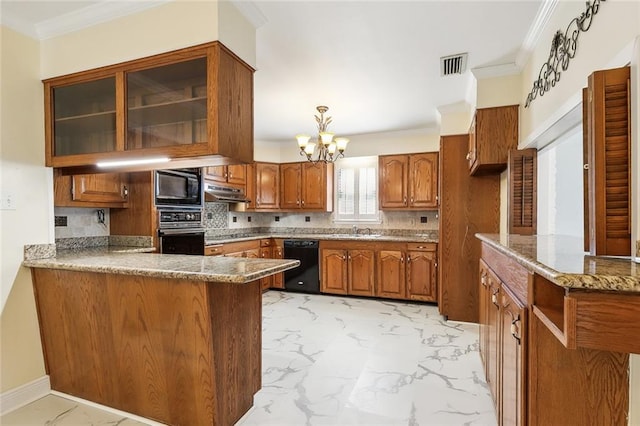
x=303, y=140
x=311, y=146
x=326, y=144
x=326, y=138
x=342, y=143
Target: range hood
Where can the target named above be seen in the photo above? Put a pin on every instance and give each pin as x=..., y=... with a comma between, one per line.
x=223, y=194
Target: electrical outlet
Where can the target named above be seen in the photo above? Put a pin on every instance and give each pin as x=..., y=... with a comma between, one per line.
x=423, y=219
x=277, y=218
x=60, y=220
x=8, y=201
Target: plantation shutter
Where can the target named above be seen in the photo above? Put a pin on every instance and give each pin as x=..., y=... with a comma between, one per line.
x=522, y=191
x=609, y=162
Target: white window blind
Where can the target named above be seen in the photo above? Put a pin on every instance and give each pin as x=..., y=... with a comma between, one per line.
x=357, y=189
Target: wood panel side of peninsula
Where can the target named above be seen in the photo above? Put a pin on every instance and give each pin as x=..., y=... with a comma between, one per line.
x=182, y=352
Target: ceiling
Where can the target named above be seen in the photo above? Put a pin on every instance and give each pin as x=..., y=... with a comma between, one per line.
x=376, y=64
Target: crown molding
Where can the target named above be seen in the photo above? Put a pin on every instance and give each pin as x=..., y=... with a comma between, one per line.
x=251, y=11
x=528, y=45
x=91, y=15
x=20, y=25
x=496, y=71
x=533, y=35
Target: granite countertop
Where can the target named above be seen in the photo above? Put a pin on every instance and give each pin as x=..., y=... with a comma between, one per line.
x=561, y=260
x=418, y=238
x=119, y=260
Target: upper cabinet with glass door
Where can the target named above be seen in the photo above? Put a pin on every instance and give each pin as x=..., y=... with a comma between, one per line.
x=194, y=104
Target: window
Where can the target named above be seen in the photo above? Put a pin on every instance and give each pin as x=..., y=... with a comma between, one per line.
x=357, y=190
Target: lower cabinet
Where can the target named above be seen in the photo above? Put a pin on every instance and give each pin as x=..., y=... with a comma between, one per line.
x=405, y=271
x=502, y=346
x=266, y=248
x=533, y=377
x=347, y=270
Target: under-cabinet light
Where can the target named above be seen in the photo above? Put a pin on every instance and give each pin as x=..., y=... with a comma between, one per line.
x=123, y=163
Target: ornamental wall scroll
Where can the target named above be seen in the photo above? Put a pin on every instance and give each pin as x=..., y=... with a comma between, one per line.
x=563, y=49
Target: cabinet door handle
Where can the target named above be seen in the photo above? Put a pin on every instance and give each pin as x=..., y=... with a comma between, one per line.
x=404, y=201
x=344, y=257
x=585, y=166
x=303, y=202
x=349, y=258
x=297, y=202
x=401, y=259
x=468, y=156
x=483, y=280
x=514, y=328
x=411, y=200
x=125, y=191
x=408, y=259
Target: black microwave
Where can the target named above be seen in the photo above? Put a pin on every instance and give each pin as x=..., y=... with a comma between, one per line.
x=178, y=188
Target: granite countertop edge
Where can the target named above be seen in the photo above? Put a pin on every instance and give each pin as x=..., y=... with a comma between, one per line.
x=572, y=280
x=164, y=265
x=332, y=237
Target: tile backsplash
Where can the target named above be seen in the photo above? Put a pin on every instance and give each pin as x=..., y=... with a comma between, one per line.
x=218, y=218
x=82, y=222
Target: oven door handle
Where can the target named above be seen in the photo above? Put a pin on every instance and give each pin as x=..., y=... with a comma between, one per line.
x=178, y=231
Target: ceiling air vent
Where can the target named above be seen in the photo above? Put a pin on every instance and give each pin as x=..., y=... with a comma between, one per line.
x=454, y=64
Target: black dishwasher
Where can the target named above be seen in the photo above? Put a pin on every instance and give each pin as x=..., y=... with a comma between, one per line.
x=304, y=278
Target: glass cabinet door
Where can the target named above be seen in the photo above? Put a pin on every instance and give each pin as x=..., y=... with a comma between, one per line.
x=167, y=105
x=85, y=117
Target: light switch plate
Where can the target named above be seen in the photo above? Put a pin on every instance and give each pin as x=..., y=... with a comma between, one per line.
x=7, y=201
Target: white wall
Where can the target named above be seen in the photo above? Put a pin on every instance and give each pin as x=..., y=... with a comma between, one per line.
x=25, y=62
x=171, y=26
x=607, y=44
x=410, y=141
x=22, y=174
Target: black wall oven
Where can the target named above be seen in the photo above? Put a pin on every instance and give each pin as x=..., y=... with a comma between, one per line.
x=179, y=188
x=180, y=231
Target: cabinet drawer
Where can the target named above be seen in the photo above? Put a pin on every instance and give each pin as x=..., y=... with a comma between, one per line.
x=241, y=246
x=213, y=250
x=422, y=246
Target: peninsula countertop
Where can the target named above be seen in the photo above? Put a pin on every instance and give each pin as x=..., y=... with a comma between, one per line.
x=561, y=260
x=132, y=262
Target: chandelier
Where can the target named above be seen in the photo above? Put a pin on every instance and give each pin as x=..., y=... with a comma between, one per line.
x=328, y=149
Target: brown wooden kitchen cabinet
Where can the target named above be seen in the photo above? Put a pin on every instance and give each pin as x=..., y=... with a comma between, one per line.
x=537, y=373
x=306, y=186
x=468, y=204
x=278, y=253
x=422, y=272
x=194, y=103
x=347, y=268
x=407, y=271
x=408, y=181
x=263, y=186
x=97, y=190
x=392, y=272
x=234, y=174
x=493, y=132
x=266, y=252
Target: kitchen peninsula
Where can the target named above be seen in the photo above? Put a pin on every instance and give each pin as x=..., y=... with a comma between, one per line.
x=173, y=338
x=556, y=330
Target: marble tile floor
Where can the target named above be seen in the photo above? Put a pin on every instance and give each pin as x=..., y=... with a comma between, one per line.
x=342, y=361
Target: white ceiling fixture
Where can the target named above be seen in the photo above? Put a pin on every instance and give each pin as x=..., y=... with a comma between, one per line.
x=325, y=149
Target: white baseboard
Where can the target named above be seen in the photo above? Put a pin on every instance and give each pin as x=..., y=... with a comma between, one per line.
x=25, y=394
x=108, y=409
